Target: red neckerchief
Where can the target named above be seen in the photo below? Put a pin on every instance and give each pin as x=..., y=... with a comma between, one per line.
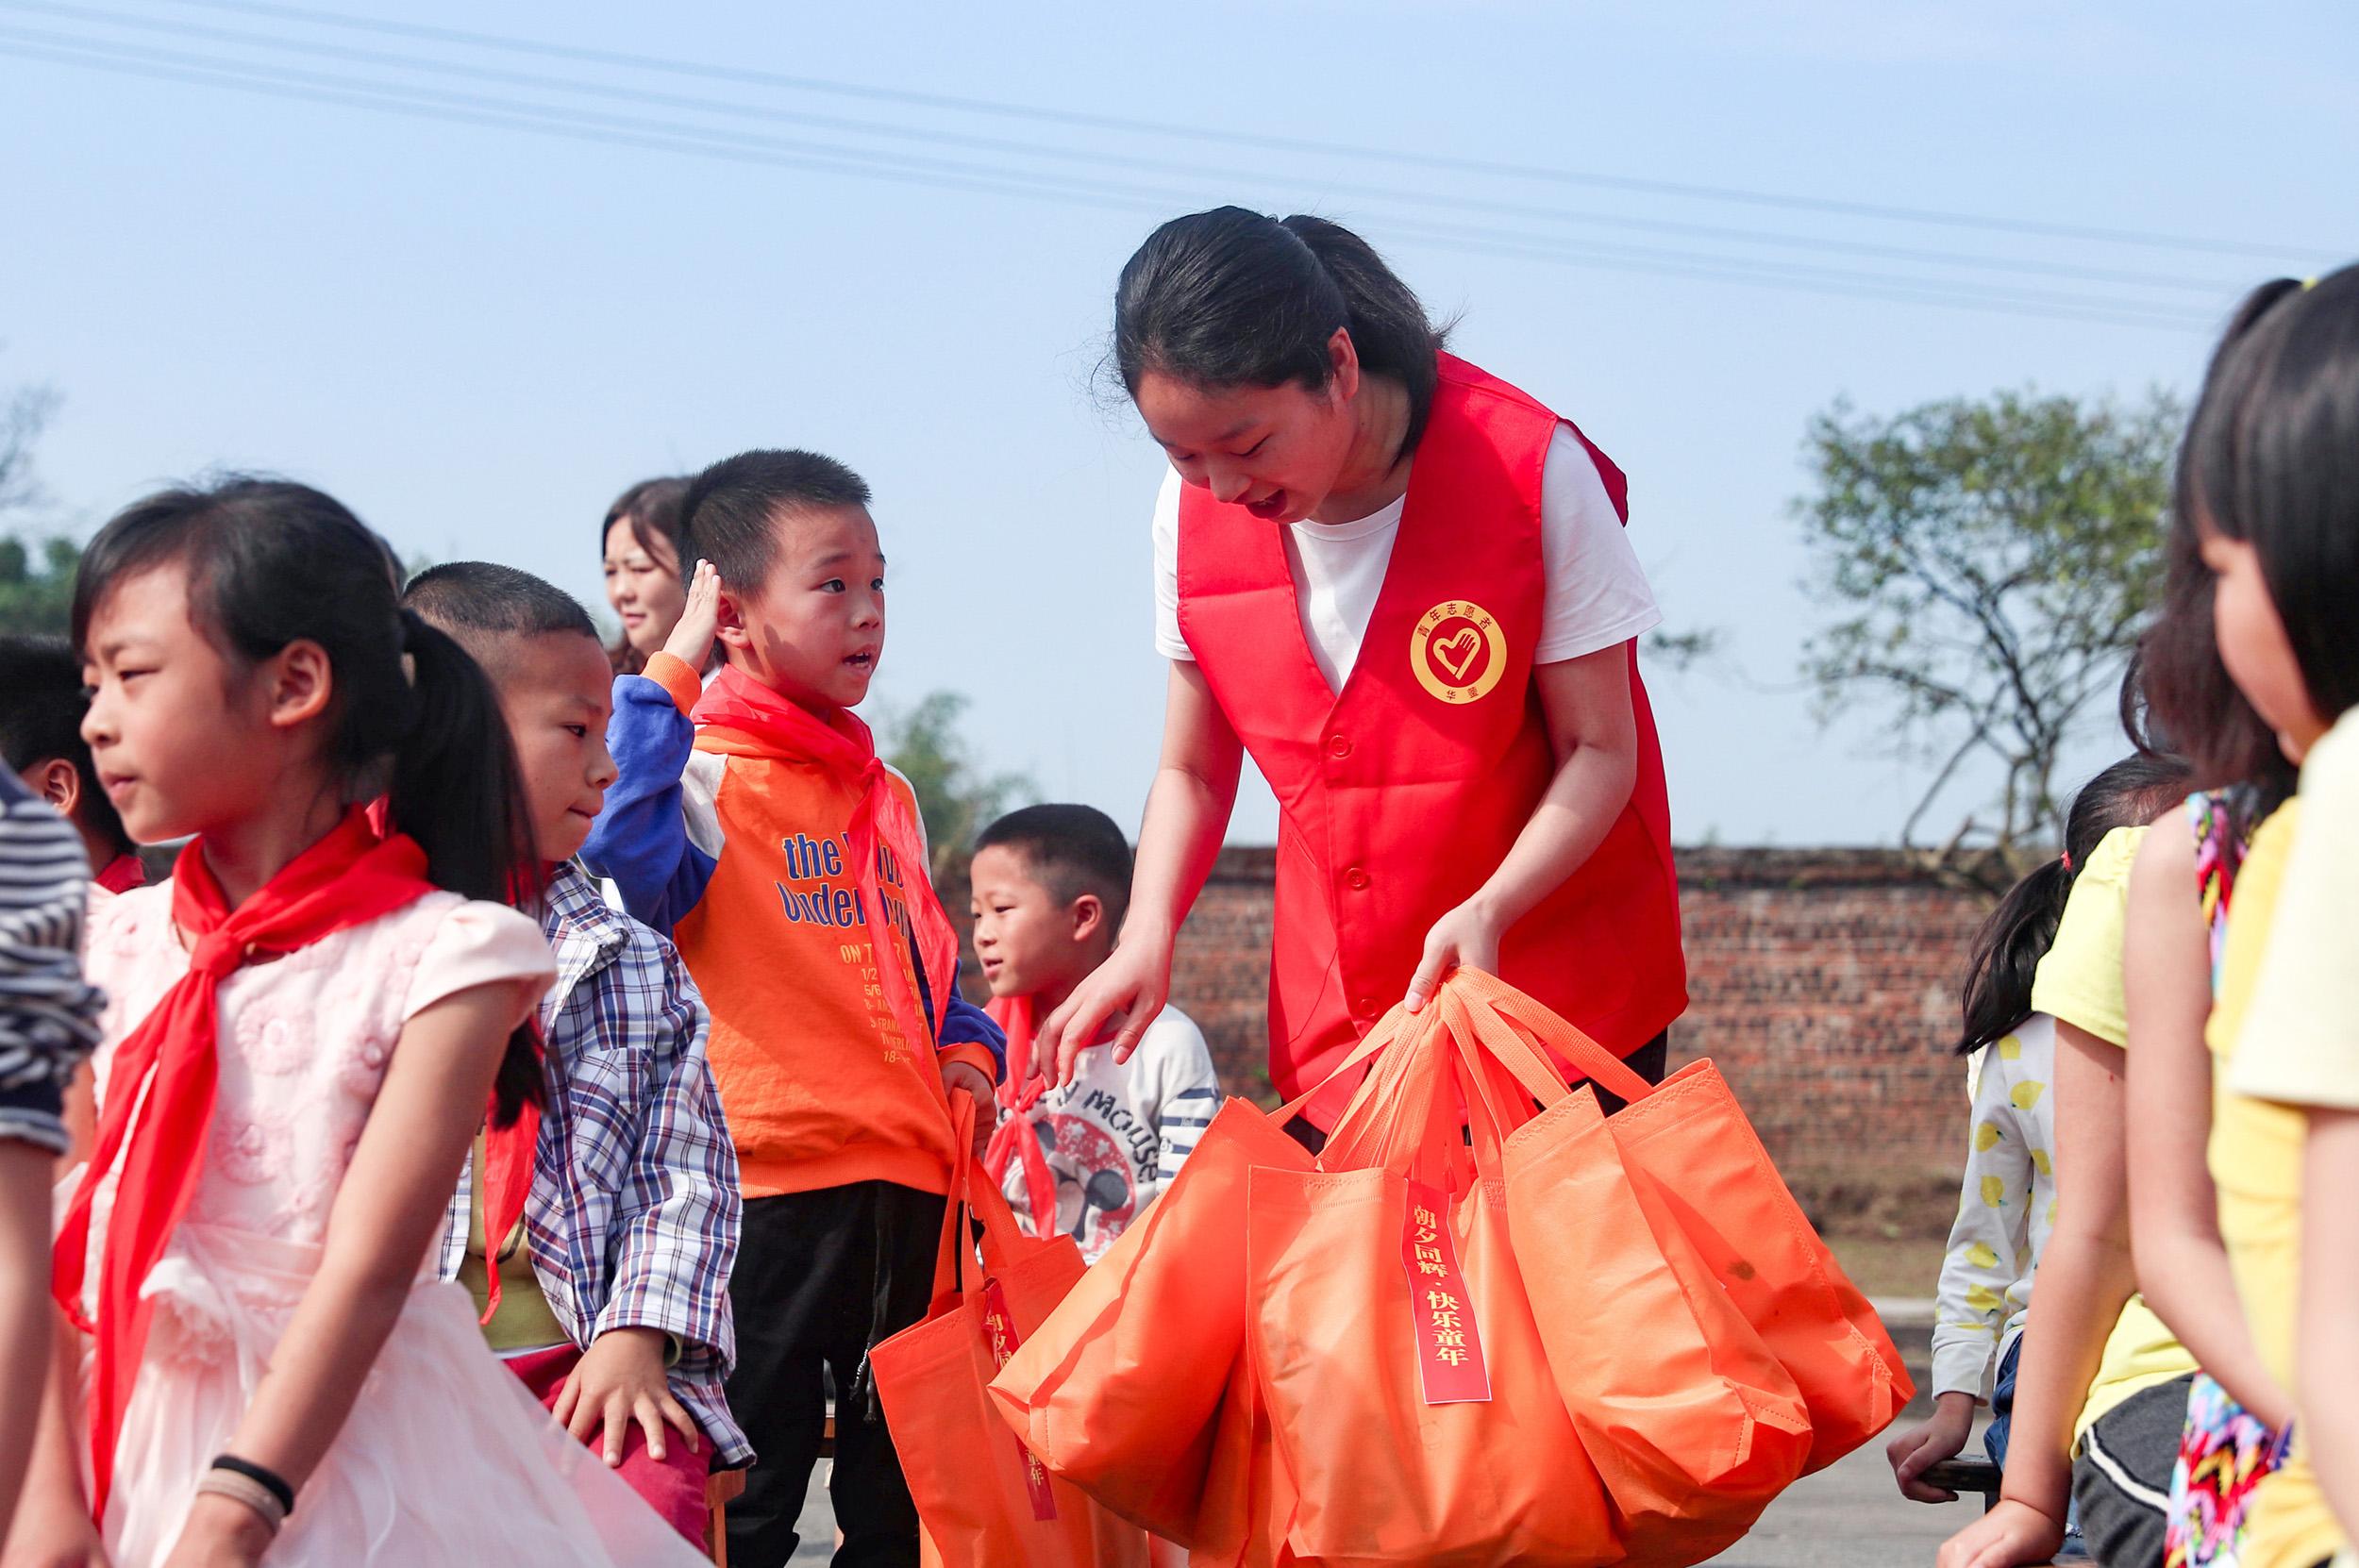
x=347, y=878
x=121, y=873
x=1019, y=1091
x=505, y=1175
x=741, y=716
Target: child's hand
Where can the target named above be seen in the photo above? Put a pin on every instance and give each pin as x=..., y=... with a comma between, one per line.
x=691, y=642
x=2009, y=1536
x=46, y=1536
x=1126, y=992
x=1467, y=935
x=1927, y=1443
x=964, y=1078
x=620, y=1380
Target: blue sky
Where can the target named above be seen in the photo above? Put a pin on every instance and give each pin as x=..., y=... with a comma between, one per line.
x=476, y=335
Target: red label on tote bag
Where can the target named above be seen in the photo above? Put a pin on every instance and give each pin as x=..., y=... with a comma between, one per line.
x=1003, y=1343
x=1450, y=1351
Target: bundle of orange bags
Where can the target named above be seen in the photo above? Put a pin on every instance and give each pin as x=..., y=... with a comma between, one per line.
x=1488, y=1324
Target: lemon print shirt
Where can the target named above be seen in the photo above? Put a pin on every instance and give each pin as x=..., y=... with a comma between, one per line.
x=2256, y=1169
x=2005, y=1211
x=2080, y=983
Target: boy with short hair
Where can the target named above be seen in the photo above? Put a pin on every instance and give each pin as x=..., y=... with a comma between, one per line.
x=756, y=823
x=1050, y=883
x=41, y=738
x=612, y=1300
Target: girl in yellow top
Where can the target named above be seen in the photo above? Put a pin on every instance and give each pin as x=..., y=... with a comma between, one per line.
x=2269, y=480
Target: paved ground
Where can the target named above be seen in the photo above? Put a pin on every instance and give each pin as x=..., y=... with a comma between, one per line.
x=1846, y=1516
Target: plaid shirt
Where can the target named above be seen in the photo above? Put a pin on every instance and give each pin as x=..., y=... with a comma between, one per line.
x=634, y=1212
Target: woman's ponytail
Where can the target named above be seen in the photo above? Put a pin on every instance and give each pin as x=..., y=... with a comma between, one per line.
x=1390, y=329
x=455, y=788
x=1232, y=297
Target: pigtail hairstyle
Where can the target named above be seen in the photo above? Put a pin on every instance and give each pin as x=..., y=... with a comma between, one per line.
x=2005, y=956
x=270, y=563
x=2273, y=459
x=1231, y=297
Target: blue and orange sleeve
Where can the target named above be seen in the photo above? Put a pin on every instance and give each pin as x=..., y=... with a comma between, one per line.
x=969, y=1035
x=641, y=838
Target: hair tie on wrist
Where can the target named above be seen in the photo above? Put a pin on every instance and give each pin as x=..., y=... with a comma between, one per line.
x=274, y=1484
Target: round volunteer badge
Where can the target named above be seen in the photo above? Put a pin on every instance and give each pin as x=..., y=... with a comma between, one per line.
x=1458, y=652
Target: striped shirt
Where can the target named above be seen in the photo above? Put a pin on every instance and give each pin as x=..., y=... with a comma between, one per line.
x=634, y=1212
x=49, y=1015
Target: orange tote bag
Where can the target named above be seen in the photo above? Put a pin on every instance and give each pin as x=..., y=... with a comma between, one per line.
x=984, y=1502
x=1692, y=1421
x=1696, y=1163
x=1394, y=1346
x=1125, y=1391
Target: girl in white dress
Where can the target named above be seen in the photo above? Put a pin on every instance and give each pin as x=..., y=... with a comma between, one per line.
x=303, y=1031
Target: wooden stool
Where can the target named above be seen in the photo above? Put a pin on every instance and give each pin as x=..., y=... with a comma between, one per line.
x=723, y=1487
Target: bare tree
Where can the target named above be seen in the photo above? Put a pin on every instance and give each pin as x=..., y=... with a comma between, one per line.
x=1989, y=561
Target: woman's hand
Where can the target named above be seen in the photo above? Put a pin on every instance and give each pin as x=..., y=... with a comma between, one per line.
x=620, y=1380
x=52, y=1533
x=691, y=642
x=2009, y=1536
x=221, y=1533
x=1127, y=991
x=1926, y=1444
x=1468, y=935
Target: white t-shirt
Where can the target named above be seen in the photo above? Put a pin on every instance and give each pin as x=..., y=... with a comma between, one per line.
x=1116, y=1136
x=1596, y=594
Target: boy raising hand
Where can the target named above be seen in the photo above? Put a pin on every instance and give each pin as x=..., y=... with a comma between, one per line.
x=754, y=821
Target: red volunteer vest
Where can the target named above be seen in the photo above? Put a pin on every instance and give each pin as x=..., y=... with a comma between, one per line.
x=1401, y=796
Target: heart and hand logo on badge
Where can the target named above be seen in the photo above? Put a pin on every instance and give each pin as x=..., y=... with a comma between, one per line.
x=1458, y=652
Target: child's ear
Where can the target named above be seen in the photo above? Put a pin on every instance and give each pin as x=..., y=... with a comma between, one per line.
x=729, y=619
x=58, y=782
x=1088, y=914
x=301, y=682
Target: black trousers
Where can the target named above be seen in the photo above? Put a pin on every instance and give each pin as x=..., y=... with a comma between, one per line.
x=1650, y=1062
x=821, y=1277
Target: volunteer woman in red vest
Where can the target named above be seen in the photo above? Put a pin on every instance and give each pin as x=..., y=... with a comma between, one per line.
x=1403, y=586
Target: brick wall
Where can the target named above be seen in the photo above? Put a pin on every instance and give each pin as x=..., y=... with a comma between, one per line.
x=1824, y=984
x=1823, y=981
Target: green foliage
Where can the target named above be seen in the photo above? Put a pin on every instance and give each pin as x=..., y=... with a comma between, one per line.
x=954, y=797
x=1988, y=562
x=37, y=585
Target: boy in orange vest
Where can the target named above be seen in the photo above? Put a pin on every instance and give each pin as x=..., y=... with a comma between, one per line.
x=754, y=822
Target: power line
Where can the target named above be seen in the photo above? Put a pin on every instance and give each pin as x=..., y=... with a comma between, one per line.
x=744, y=76
x=2205, y=287
x=672, y=137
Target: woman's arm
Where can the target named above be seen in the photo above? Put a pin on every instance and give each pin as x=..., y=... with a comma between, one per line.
x=2084, y=1280
x=2326, y=1349
x=390, y=1206
x=2174, y=1212
x=1187, y=813
x=1593, y=729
